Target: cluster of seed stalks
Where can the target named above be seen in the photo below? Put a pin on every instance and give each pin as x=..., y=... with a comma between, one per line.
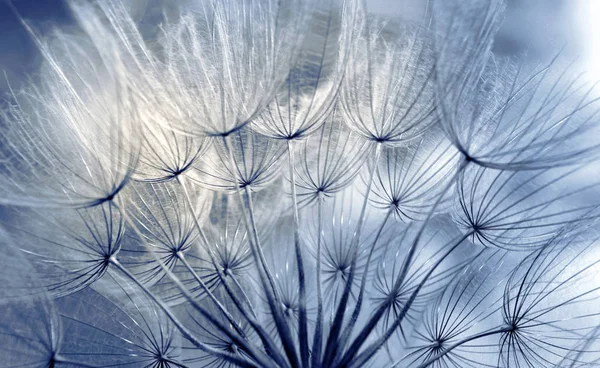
x=287, y=183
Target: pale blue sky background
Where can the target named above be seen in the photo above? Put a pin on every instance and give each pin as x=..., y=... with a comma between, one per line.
x=18, y=54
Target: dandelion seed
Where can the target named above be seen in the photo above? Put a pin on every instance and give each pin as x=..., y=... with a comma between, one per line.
x=215, y=338
x=255, y=160
x=124, y=329
x=461, y=327
x=336, y=241
x=164, y=218
x=391, y=265
x=229, y=59
x=69, y=248
x=309, y=92
x=409, y=179
x=165, y=154
x=229, y=241
x=388, y=94
x=70, y=141
x=499, y=114
x=280, y=254
x=330, y=160
x=521, y=210
x=547, y=305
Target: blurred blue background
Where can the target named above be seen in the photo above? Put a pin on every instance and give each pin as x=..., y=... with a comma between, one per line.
x=18, y=54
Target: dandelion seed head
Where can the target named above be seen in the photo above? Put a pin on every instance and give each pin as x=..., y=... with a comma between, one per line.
x=184, y=194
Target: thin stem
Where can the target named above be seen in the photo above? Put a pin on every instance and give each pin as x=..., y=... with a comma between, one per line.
x=236, y=337
x=332, y=346
x=243, y=292
x=275, y=304
x=348, y=358
x=352, y=322
x=264, y=273
x=302, y=316
x=267, y=343
x=184, y=331
x=318, y=337
x=250, y=317
x=193, y=212
x=360, y=339
x=204, y=239
x=461, y=342
x=212, y=297
x=241, y=339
